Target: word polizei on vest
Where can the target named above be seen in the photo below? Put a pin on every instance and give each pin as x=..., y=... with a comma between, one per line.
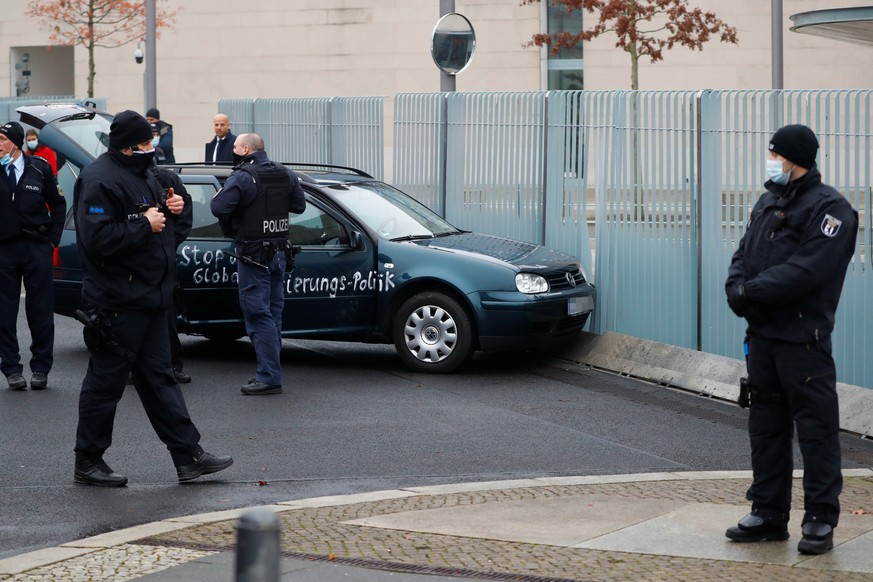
x=275, y=226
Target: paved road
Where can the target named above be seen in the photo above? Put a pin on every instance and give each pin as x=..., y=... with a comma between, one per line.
x=351, y=420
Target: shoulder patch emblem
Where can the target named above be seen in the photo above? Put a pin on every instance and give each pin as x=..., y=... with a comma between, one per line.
x=830, y=226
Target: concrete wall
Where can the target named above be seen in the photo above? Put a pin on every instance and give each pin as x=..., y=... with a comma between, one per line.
x=705, y=374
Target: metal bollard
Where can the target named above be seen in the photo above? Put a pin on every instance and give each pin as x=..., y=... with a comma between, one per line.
x=257, y=546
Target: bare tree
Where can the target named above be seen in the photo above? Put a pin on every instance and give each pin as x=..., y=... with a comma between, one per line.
x=95, y=23
x=644, y=28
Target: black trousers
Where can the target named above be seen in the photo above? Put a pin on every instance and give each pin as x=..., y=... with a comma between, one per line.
x=28, y=260
x=146, y=335
x=794, y=385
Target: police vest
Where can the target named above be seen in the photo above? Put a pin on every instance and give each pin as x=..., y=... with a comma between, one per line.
x=267, y=215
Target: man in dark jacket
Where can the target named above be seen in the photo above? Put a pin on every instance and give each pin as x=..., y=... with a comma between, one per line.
x=32, y=213
x=785, y=279
x=254, y=204
x=220, y=149
x=128, y=256
x=165, y=135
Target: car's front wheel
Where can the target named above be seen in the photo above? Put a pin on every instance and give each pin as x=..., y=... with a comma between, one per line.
x=432, y=333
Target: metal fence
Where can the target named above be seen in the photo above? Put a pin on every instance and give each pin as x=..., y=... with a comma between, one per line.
x=661, y=181
x=658, y=183
x=343, y=131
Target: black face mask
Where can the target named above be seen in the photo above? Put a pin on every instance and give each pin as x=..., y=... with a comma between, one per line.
x=237, y=159
x=140, y=161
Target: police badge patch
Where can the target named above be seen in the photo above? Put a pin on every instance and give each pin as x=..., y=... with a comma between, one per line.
x=830, y=226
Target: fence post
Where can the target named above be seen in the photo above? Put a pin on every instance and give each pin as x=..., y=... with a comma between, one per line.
x=257, y=546
x=545, y=166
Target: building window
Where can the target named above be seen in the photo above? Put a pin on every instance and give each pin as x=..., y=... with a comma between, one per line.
x=565, y=68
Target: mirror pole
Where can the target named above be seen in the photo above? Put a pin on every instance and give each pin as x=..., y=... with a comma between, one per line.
x=150, y=57
x=447, y=82
x=776, y=58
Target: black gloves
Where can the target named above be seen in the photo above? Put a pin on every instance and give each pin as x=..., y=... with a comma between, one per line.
x=736, y=298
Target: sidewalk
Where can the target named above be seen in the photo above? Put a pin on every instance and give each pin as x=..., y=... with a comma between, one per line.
x=660, y=526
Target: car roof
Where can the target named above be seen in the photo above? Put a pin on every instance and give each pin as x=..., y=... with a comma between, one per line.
x=41, y=115
x=320, y=174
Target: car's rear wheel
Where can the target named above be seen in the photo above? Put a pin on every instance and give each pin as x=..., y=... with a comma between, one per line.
x=432, y=333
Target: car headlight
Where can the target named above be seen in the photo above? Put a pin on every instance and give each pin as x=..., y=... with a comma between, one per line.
x=531, y=283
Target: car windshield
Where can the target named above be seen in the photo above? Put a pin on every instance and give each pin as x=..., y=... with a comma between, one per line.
x=91, y=134
x=389, y=212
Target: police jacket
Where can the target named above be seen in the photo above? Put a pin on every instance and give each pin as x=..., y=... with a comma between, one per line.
x=36, y=209
x=243, y=196
x=792, y=259
x=126, y=266
x=165, y=133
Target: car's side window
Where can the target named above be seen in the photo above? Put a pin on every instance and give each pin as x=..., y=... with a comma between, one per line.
x=315, y=227
x=205, y=224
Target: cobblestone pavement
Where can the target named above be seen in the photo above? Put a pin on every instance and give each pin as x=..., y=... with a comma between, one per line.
x=116, y=564
x=322, y=533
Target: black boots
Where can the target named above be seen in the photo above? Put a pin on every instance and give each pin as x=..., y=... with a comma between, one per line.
x=754, y=528
x=204, y=464
x=91, y=472
x=259, y=388
x=818, y=538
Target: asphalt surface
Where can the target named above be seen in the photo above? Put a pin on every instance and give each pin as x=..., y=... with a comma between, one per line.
x=351, y=420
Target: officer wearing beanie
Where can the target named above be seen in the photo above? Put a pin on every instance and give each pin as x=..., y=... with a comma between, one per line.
x=165, y=135
x=124, y=224
x=32, y=212
x=785, y=279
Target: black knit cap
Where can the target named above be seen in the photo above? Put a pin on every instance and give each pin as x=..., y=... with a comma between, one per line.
x=128, y=129
x=796, y=143
x=153, y=112
x=13, y=132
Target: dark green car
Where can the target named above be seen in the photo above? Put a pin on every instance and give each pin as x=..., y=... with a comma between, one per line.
x=375, y=266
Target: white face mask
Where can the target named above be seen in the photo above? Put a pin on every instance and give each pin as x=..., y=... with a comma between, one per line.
x=775, y=173
x=32, y=143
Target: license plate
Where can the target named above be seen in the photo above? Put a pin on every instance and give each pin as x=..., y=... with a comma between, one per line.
x=578, y=305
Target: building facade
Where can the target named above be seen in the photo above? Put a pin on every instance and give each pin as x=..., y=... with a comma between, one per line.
x=315, y=48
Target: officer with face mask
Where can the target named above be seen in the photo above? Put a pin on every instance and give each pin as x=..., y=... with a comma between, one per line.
x=32, y=212
x=785, y=279
x=126, y=244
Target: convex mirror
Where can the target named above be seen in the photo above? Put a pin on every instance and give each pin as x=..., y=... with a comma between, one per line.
x=453, y=43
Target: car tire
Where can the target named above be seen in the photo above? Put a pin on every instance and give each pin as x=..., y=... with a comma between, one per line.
x=432, y=333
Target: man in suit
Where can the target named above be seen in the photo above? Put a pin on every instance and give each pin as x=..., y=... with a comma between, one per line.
x=220, y=149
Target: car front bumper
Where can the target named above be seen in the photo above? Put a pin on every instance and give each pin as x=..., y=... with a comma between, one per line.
x=514, y=321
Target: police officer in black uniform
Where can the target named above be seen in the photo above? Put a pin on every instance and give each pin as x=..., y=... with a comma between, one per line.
x=254, y=206
x=32, y=212
x=785, y=279
x=128, y=257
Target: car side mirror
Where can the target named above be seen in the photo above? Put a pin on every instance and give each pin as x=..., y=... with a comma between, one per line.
x=356, y=240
